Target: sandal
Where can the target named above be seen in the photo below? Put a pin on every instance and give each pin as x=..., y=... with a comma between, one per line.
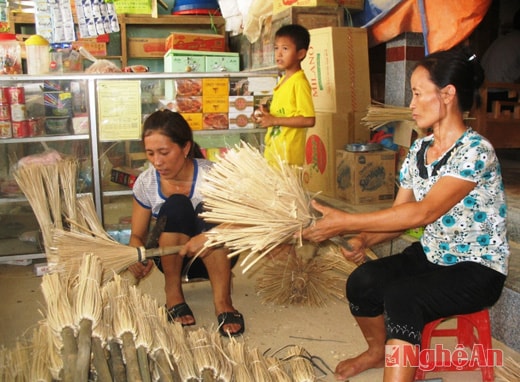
x=180, y=310
x=230, y=318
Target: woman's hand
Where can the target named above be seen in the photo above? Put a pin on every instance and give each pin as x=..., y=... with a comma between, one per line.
x=356, y=251
x=194, y=245
x=140, y=270
x=329, y=225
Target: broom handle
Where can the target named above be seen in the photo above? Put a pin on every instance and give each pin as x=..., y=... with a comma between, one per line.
x=143, y=253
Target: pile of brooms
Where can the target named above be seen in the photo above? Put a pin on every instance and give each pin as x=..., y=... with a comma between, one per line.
x=113, y=332
x=95, y=325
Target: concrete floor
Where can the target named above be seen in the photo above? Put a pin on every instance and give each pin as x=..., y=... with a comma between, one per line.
x=329, y=332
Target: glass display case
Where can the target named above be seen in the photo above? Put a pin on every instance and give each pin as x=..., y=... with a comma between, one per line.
x=97, y=119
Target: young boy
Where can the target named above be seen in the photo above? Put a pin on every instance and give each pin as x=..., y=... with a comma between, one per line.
x=291, y=110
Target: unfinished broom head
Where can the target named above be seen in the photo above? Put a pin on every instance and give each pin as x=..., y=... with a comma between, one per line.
x=258, y=206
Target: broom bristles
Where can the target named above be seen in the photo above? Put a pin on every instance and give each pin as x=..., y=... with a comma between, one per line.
x=258, y=206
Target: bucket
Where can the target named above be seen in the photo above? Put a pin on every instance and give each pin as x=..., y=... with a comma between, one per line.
x=194, y=7
x=38, y=55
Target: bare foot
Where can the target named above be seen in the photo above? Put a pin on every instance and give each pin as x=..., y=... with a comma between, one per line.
x=353, y=366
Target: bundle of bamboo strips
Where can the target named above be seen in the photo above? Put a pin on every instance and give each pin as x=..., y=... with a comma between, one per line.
x=204, y=355
x=87, y=311
x=140, y=305
x=379, y=114
x=257, y=205
x=60, y=319
x=89, y=218
x=509, y=372
x=301, y=367
x=174, y=353
x=238, y=353
x=276, y=369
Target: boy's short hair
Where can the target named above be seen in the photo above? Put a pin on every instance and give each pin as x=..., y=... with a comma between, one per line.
x=299, y=34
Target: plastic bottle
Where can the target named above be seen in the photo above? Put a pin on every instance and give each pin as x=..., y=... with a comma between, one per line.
x=38, y=56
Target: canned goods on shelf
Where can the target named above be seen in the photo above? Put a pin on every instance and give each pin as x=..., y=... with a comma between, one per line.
x=20, y=129
x=5, y=129
x=5, y=112
x=18, y=112
x=15, y=94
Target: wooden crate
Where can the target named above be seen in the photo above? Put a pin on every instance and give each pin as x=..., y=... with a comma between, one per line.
x=262, y=51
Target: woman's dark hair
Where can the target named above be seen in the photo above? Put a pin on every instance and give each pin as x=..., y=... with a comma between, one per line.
x=458, y=67
x=174, y=126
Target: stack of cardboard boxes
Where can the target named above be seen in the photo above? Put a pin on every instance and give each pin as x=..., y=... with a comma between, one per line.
x=337, y=67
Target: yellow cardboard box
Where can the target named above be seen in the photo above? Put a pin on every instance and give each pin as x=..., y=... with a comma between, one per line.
x=337, y=68
x=330, y=133
x=365, y=177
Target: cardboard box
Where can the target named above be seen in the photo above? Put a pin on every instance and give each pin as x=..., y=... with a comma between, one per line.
x=145, y=47
x=218, y=64
x=365, y=177
x=183, y=64
x=241, y=120
x=215, y=104
x=215, y=121
x=337, y=67
x=124, y=175
x=214, y=87
x=196, y=41
x=262, y=50
x=241, y=104
x=329, y=134
x=194, y=120
x=280, y=5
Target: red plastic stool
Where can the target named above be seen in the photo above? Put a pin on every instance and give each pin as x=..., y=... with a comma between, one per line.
x=465, y=334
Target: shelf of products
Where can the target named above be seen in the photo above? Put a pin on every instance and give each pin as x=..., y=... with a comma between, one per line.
x=136, y=29
x=98, y=121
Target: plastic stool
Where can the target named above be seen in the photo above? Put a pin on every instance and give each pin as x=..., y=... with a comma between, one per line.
x=464, y=332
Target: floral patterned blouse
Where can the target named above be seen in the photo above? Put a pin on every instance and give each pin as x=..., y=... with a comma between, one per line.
x=475, y=228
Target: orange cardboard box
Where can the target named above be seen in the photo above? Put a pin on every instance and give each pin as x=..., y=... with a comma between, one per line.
x=145, y=47
x=280, y=5
x=196, y=41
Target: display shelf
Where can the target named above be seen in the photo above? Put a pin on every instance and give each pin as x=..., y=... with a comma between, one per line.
x=23, y=23
x=112, y=201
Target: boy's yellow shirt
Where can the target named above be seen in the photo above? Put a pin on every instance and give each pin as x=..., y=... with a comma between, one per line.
x=290, y=98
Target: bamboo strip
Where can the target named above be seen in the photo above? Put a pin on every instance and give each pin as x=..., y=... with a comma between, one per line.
x=238, y=353
x=301, y=367
x=206, y=361
x=68, y=175
x=40, y=351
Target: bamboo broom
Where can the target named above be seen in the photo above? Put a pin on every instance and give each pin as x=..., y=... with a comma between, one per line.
x=258, y=206
x=161, y=346
x=125, y=328
x=226, y=366
x=139, y=305
x=40, y=355
x=100, y=334
x=59, y=314
x=275, y=368
x=68, y=174
x=238, y=353
x=116, y=364
x=259, y=367
x=301, y=367
x=87, y=311
x=87, y=211
x=204, y=355
x=301, y=278
x=180, y=350
x=29, y=179
x=68, y=248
